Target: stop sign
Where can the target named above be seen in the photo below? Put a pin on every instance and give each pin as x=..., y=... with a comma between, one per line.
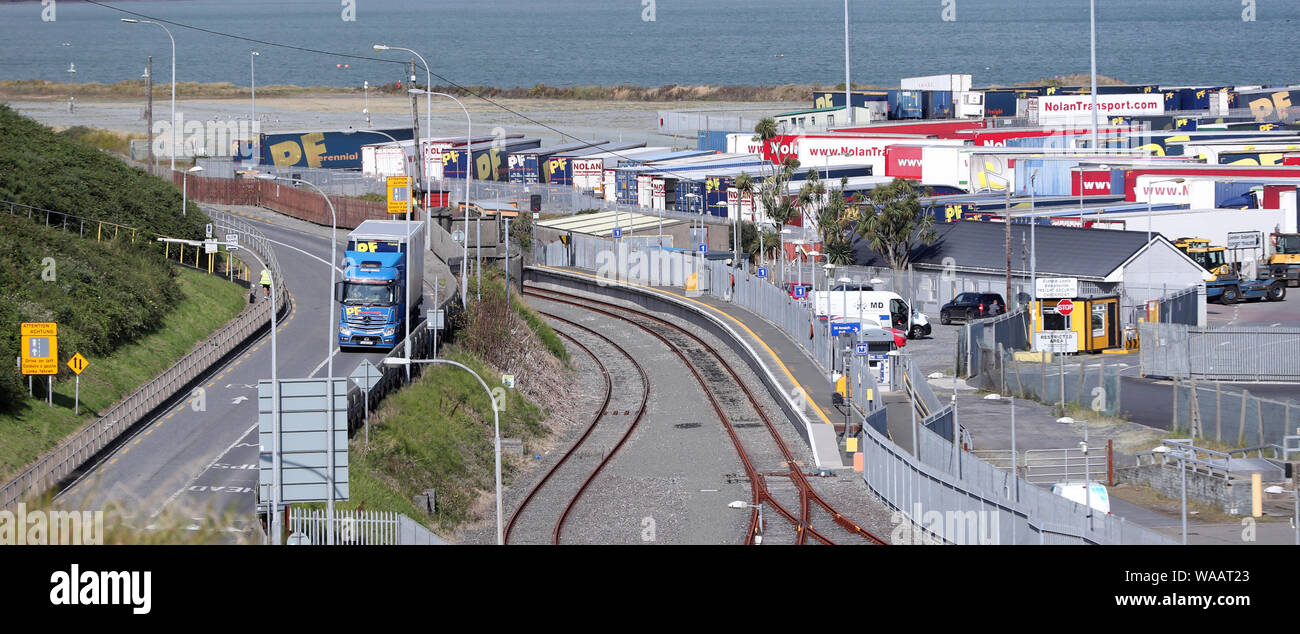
x=1064, y=307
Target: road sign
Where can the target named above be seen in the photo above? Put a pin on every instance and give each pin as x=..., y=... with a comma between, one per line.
x=703, y=247
x=1057, y=287
x=1064, y=307
x=844, y=328
x=1245, y=239
x=40, y=348
x=232, y=241
x=800, y=292
x=399, y=194
x=860, y=349
x=618, y=232
x=78, y=363
x=207, y=230
x=437, y=319
x=304, y=440
x=508, y=380
x=366, y=376
x=1056, y=341
x=762, y=272
x=210, y=246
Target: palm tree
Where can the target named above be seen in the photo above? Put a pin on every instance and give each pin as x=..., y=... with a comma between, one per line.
x=745, y=187
x=894, y=222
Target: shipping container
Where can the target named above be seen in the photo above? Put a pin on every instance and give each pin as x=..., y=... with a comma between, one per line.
x=714, y=140
x=489, y=159
x=387, y=159
x=1271, y=106
x=948, y=83
x=936, y=104
x=526, y=166
x=939, y=129
x=331, y=150
x=1000, y=103
x=1264, y=173
x=906, y=104
x=584, y=169
x=835, y=99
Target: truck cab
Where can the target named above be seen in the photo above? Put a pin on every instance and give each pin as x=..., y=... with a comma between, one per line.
x=381, y=255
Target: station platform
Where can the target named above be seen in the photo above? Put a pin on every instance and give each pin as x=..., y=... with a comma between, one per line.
x=800, y=377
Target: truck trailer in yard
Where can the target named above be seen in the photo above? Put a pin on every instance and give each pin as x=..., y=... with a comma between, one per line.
x=381, y=255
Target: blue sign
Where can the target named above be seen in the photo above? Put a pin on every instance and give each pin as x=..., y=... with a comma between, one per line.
x=860, y=349
x=703, y=247
x=618, y=233
x=762, y=271
x=843, y=329
x=800, y=292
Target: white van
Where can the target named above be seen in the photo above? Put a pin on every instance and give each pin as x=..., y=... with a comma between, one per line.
x=1076, y=492
x=881, y=308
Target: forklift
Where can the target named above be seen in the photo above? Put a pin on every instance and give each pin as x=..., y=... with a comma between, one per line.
x=1284, y=263
x=1227, y=286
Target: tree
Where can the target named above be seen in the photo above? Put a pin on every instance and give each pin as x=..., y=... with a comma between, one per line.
x=894, y=223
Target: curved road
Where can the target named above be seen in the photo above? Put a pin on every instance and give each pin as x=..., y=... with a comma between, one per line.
x=204, y=463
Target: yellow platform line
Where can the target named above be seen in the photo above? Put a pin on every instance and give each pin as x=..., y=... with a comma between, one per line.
x=807, y=398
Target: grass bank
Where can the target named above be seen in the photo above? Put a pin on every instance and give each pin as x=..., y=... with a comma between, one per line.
x=32, y=427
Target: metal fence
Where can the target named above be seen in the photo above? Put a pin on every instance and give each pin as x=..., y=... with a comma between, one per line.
x=354, y=527
x=942, y=481
x=980, y=338
x=1224, y=354
x=74, y=451
x=1207, y=411
x=1091, y=386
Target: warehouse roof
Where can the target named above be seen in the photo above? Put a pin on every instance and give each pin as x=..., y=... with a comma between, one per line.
x=603, y=223
x=1066, y=251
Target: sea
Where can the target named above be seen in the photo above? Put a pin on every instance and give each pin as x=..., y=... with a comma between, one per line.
x=507, y=43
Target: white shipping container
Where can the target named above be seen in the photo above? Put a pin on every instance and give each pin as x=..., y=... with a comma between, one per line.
x=1077, y=109
x=937, y=82
x=743, y=143
x=383, y=159
x=610, y=192
x=969, y=104
x=588, y=173
x=644, y=192
x=658, y=198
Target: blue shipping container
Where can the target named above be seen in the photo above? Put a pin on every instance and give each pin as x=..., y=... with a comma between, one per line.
x=334, y=150
x=937, y=104
x=715, y=140
x=905, y=104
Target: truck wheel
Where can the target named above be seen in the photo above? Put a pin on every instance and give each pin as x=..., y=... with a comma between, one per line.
x=1276, y=292
x=1230, y=295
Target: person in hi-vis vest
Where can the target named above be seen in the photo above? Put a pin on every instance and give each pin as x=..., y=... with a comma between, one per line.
x=266, y=283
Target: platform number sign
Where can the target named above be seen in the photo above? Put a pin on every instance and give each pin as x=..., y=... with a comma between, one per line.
x=762, y=272
x=860, y=349
x=618, y=232
x=800, y=292
x=703, y=247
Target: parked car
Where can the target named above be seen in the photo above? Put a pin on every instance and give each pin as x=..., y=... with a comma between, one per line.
x=789, y=287
x=971, y=305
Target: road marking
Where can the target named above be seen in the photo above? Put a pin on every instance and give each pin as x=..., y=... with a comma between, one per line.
x=205, y=470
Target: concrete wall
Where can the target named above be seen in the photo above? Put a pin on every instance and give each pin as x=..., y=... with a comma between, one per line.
x=1202, y=488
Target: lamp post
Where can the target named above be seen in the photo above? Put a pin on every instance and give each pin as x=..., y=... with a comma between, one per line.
x=1295, y=496
x=496, y=423
x=1015, y=463
x=1033, y=245
x=1092, y=48
x=185, y=187
x=1150, y=194
x=273, y=514
x=330, y=322
x=428, y=105
x=172, y=136
x=252, y=79
x=848, y=99
x=743, y=505
x=1087, y=476
x=469, y=175
x=1007, y=219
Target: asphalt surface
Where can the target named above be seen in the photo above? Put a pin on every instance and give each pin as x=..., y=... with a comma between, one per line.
x=204, y=462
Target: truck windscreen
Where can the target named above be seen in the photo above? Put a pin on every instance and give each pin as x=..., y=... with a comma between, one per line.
x=354, y=293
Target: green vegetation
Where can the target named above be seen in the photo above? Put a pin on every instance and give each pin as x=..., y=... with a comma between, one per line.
x=101, y=139
x=372, y=197
x=893, y=222
x=41, y=168
x=203, y=303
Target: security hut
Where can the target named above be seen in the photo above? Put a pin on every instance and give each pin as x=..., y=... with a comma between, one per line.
x=1077, y=324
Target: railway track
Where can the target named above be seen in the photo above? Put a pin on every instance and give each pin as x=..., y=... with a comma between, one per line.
x=718, y=387
x=548, y=479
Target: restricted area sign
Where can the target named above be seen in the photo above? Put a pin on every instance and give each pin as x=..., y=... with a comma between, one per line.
x=399, y=194
x=1064, y=307
x=1057, y=341
x=40, y=348
x=78, y=363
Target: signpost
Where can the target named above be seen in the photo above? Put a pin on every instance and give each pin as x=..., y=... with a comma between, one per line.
x=1057, y=341
x=508, y=380
x=1056, y=287
x=305, y=433
x=366, y=376
x=618, y=233
x=40, y=352
x=207, y=231
x=77, y=363
x=399, y=194
x=1245, y=239
x=800, y=292
x=844, y=328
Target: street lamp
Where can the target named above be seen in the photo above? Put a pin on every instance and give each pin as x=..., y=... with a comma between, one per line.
x=252, y=78
x=1295, y=495
x=428, y=105
x=273, y=513
x=1015, y=463
x=185, y=185
x=1033, y=244
x=469, y=175
x=1150, y=195
x=330, y=322
x=743, y=505
x=1007, y=219
x=172, y=136
x=496, y=423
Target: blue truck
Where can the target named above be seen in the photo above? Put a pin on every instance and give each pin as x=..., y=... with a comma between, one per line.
x=382, y=257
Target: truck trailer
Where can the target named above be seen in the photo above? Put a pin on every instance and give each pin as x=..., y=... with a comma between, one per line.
x=382, y=257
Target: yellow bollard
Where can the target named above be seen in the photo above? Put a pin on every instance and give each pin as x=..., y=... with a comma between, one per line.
x=209, y=264
x=181, y=259
x=1256, y=499
x=99, y=233
x=196, y=257
x=167, y=250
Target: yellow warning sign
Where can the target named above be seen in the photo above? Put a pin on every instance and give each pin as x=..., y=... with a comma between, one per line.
x=78, y=363
x=40, y=348
x=399, y=194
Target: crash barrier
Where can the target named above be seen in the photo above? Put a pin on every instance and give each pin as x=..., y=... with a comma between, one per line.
x=956, y=485
x=73, y=452
x=1209, y=411
x=220, y=263
x=1221, y=354
x=950, y=495
x=1063, y=381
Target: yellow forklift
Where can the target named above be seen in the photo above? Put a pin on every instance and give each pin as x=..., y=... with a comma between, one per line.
x=1284, y=263
x=1227, y=286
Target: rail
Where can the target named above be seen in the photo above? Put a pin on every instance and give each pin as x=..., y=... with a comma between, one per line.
x=74, y=451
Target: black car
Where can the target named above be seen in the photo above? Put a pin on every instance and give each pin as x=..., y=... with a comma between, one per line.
x=968, y=306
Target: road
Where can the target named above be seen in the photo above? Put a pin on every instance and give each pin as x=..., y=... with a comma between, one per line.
x=199, y=456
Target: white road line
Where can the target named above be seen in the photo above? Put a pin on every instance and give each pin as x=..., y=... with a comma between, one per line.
x=205, y=470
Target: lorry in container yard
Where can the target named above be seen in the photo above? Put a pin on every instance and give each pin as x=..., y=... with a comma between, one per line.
x=382, y=258
x=1228, y=286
